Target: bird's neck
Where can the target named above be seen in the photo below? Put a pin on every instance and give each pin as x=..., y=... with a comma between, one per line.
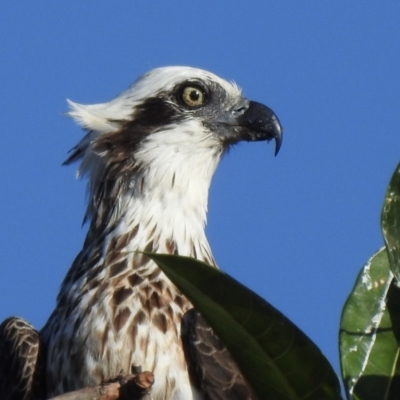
x=160, y=208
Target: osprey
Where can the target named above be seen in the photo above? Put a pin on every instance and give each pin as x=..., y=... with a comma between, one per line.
x=149, y=156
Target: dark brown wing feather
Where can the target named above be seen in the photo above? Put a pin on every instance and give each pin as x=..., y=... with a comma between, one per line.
x=21, y=361
x=211, y=367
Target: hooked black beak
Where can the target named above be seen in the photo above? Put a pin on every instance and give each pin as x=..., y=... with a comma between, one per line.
x=260, y=123
x=250, y=121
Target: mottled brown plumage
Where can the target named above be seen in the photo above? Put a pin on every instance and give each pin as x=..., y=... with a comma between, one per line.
x=22, y=355
x=216, y=372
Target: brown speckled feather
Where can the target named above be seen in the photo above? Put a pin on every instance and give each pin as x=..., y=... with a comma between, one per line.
x=212, y=368
x=21, y=361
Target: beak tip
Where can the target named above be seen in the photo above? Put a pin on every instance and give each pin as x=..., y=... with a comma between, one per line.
x=278, y=143
x=277, y=136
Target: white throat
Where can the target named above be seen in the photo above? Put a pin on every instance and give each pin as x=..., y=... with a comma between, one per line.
x=166, y=199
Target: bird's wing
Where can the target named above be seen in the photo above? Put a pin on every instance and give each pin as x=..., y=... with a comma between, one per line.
x=21, y=361
x=211, y=367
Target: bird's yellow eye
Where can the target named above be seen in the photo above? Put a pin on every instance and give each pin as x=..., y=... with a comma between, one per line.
x=193, y=96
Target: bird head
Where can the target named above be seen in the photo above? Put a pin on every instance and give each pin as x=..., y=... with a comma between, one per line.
x=172, y=119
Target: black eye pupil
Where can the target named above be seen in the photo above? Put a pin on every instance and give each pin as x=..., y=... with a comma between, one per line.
x=194, y=95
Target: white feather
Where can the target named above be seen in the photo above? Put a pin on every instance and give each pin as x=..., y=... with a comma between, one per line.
x=97, y=117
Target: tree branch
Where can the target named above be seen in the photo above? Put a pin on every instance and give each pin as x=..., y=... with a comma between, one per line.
x=132, y=387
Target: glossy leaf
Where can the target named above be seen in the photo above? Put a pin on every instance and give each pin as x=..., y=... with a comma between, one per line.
x=277, y=358
x=391, y=222
x=370, y=333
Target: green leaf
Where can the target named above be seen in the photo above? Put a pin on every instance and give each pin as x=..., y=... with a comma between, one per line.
x=391, y=222
x=370, y=333
x=277, y=358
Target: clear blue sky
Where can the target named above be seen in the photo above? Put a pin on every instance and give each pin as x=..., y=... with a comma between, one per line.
x=297, y=228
